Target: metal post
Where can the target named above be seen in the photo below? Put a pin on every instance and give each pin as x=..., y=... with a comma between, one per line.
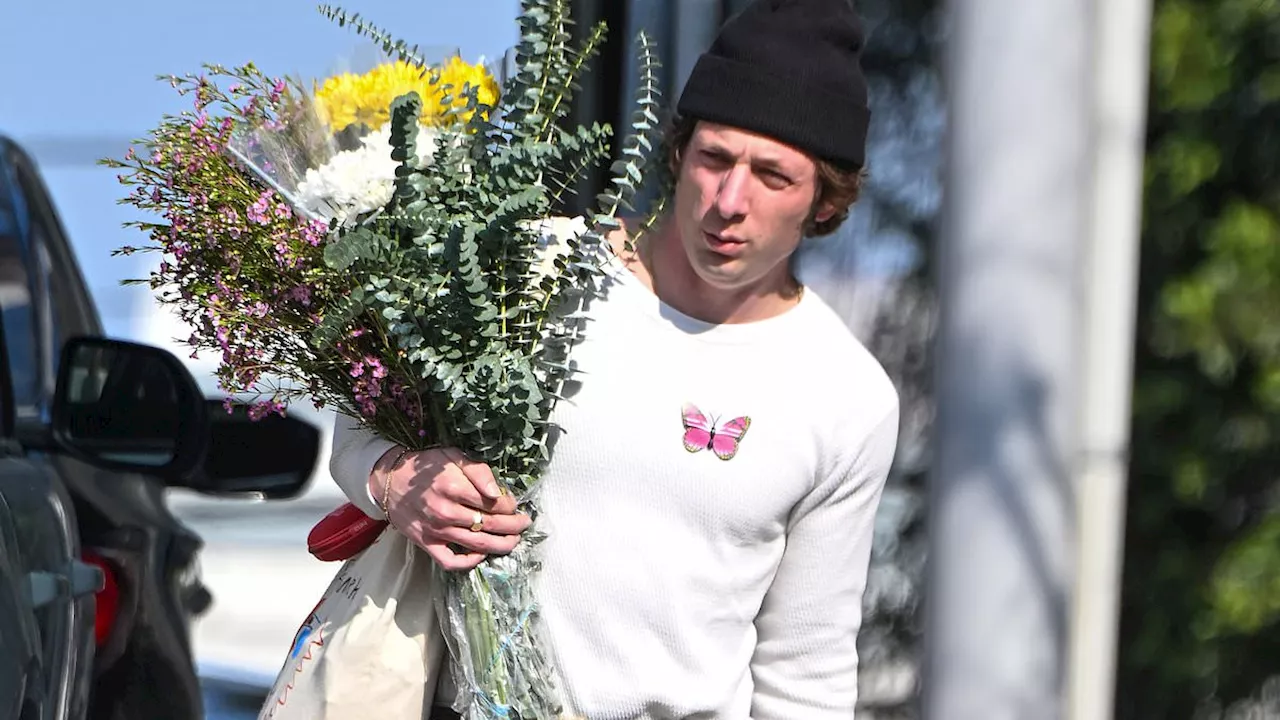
x=1120, y=72
x=1002, y=506
x=693, y=28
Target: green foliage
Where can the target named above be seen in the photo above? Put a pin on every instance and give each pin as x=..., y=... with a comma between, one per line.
x=485, y=336
x=435, y=318
x=1201, y=619
x=449, y=274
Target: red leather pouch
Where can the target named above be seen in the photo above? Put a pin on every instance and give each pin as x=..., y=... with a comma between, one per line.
x=343, y=533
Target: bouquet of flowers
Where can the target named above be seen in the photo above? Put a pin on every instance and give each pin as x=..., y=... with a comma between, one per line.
x=375, y=244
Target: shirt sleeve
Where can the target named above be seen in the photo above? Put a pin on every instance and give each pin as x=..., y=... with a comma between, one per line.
x=356, y=449
x=805, y=665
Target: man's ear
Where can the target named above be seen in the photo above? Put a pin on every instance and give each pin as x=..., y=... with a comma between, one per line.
x=825, y=212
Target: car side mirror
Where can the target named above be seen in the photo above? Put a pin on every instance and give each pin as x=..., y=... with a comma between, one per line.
x=272, y=457
x=128, y=407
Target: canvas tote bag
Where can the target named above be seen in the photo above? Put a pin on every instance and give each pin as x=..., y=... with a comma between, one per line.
x=371, y=647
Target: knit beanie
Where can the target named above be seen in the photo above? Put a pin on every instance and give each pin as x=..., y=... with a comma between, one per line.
x=788, y=69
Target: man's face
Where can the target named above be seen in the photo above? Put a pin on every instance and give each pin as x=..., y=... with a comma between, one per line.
x=742, y=201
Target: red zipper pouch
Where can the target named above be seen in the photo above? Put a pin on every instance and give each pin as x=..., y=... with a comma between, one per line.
x=343, y=533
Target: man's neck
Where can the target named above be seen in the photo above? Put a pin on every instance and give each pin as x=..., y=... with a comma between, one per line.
x=660, y=262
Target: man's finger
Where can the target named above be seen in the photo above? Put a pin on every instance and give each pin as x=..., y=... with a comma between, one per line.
x=451, y=561
x=479, y=542
x=442, y=513
x=457, y=487
x=478, y=473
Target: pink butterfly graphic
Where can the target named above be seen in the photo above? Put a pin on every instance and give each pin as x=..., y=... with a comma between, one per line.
x=701, y=434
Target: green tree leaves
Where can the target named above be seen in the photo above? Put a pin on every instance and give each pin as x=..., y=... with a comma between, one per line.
x=1201, y=620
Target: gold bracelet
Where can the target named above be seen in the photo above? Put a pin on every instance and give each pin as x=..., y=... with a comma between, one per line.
x=386, y=484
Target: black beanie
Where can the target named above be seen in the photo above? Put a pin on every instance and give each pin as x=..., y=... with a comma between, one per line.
x=788, y=69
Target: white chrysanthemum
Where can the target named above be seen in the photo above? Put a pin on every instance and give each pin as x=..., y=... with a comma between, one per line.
x=360, y=180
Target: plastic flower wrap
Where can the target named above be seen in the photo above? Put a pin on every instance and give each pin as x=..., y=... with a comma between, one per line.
x=328, y=151
x=384, y=244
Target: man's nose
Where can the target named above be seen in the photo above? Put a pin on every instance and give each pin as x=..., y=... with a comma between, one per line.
x=731, y=196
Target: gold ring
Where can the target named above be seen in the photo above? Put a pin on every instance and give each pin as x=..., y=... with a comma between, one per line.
x=477, y=522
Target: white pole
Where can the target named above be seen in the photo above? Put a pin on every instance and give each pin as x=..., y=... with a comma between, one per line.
x=1002, y=506
x=1120, y=77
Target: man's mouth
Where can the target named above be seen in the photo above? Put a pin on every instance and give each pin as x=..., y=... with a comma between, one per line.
x=722, y=243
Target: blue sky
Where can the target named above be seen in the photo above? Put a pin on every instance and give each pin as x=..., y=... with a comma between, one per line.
x=79, y=83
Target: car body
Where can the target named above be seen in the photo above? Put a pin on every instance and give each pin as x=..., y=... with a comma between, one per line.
x=99, y=582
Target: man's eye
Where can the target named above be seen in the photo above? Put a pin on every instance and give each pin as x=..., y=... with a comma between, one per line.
x=776, y=179
x=714, y=158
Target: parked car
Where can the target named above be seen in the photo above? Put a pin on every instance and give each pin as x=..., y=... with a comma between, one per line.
x=99, y=583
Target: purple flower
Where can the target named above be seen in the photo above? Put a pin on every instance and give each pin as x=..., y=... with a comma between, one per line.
x=259, y=211
x=276, y=91
x=314, y=232
x=366, y=406
x=258, y=411
x=301, y=294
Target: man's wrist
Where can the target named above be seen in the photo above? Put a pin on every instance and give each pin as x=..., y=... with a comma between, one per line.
x=381, y=474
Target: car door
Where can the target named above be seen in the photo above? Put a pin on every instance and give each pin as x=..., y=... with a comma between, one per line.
x=19, y=637
x=50, y=590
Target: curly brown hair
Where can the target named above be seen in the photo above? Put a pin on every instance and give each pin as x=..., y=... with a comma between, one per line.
x=838, y=186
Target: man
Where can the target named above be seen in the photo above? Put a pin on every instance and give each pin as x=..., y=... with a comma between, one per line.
x=711, y=498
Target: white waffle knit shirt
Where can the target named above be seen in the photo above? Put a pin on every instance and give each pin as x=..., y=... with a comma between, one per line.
x=679, y=585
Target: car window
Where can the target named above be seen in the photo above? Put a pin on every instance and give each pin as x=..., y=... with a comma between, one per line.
x=43, y=299
x=16, y=305
x=50, y=330
x=70, y=309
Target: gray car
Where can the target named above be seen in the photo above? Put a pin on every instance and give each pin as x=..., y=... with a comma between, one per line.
x=98, y=580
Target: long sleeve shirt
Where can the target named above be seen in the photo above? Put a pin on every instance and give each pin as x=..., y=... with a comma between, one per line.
x=678, y=584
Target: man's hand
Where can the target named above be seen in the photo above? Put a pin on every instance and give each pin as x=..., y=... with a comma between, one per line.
x=440, y=500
